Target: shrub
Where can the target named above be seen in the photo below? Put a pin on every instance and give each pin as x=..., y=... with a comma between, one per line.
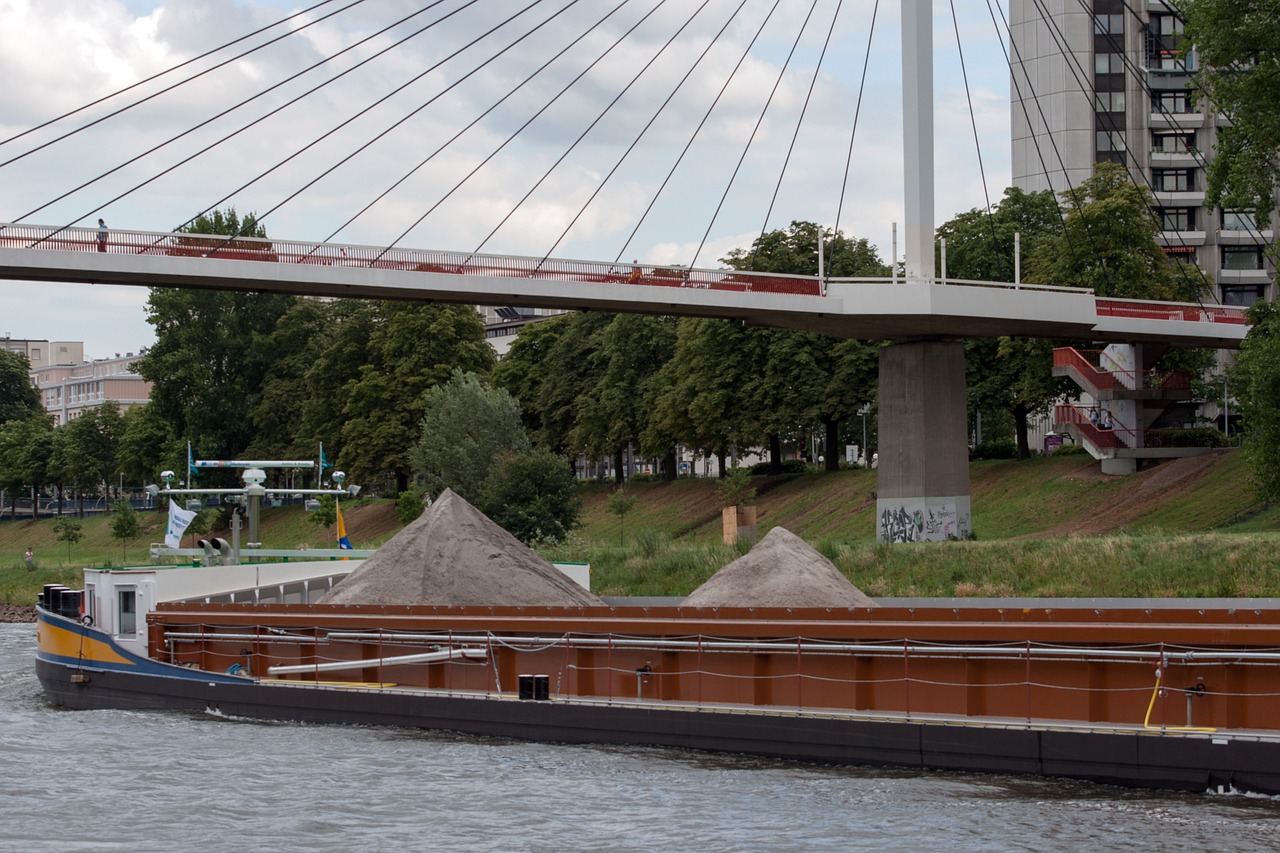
x=1004, y=448
x=788, y=466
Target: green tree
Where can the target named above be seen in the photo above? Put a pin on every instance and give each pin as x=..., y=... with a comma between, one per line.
x=26, y=455
x=19, y=399
x=1013, y=376
x=67, y=529
x=212, y=353
x=409, y=505
x=805, y=380
x=533, y=496
x=125, y=526
x=146, y=444
x=300, y=339
x=1256, y=377
x=620, y=504
x=1108, y=244
x=523, y=372
x=413, y=348
x=466, y=427
x=326, y=515
x=616, y=413
x=736, y=489
x=1238, y=44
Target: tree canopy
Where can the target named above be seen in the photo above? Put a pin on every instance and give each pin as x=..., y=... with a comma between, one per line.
x=19, y=399
x=1238, y=44
x=1256, y=377
x=467, y=427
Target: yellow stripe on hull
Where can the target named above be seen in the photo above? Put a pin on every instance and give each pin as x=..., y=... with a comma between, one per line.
x=56, y=641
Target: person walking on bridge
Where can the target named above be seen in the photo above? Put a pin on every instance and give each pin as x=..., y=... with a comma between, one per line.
x=102, y=236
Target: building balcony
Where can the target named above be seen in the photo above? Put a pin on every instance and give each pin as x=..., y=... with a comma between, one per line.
x=1245, y=236
x=1184, y=198
x=1174, y=120
x=1181, y=238
x=1185, y=157
x=1230, y=277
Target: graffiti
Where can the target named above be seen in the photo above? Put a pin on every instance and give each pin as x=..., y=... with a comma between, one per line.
x=902, y=525
x=941, y=524
x=923, y=523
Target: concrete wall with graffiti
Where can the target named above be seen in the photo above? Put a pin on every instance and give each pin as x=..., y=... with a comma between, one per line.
x=923, y=520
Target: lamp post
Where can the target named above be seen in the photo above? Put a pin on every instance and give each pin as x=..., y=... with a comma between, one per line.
x=866, y=453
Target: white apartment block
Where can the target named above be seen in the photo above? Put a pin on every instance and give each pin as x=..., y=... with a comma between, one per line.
x=1110, y=80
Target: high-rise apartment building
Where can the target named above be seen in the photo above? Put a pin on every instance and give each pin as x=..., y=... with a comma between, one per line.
x=1111, y=80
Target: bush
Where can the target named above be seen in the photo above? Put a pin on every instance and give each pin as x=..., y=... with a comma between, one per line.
x=1070, y=450
x=409, y=505
x=1004, y=448
x=1198, y=437
x=788, y=466
x=533, y=496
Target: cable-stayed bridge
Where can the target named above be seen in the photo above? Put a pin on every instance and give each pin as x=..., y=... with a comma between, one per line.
x=923, y=454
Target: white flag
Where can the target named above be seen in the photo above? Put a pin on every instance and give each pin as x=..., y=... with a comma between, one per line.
x=179, y=518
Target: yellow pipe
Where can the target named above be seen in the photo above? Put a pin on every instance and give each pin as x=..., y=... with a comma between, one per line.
x=1146, y=721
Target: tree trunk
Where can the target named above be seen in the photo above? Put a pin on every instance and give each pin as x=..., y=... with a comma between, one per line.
x=670, y=468
x=1020, y=429
x=775, y=453
x=619, y=475
x=720, y=461
x=833, y=444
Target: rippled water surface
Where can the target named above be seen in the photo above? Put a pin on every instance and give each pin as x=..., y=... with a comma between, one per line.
x=114, y=780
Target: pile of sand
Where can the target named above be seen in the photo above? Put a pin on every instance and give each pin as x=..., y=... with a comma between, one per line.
x=454, y=555
x=782, y=570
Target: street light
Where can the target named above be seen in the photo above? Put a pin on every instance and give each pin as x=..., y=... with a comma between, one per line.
x=866, y=453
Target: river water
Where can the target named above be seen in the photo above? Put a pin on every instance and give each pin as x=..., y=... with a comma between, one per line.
x=135, y=781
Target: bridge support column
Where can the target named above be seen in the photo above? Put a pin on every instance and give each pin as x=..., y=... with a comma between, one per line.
x=923, y=470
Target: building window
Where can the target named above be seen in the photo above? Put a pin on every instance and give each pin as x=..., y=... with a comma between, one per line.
x=1174, y=143
x=1108, y=25
x=1166, y=25
x=1171, y=102
x=1238, y=220
x=1177, y=218
x=1244, y=295
x=1108, y=63
x=1173, y=180
x=127, y=623
x=1242, y=257
x=1109, y=102
x=1110, y=140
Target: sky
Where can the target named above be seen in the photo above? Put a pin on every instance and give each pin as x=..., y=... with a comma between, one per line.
x=450, y=101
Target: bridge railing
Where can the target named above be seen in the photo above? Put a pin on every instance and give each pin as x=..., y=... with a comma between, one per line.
x=1086, y=363
x=408, y=260
x=1187, y=311
x=1119, y=437
x=553, y=269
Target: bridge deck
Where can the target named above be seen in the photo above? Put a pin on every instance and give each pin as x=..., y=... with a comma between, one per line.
x=851, y=308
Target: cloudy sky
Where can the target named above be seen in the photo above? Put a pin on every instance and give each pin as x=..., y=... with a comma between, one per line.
x=443, y=135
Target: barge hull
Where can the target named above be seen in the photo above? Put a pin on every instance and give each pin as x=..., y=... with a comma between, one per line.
x=1135, y=758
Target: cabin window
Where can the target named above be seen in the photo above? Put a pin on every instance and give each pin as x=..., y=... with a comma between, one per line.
x=127, y=621
x=91, y=602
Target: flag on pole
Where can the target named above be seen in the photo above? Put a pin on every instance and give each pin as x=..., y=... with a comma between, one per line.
x=191, y=465
x=179, y=518
x=324, y=463
x=343, y=542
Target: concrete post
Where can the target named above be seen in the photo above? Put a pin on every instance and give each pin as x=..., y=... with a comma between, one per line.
x=923, y=473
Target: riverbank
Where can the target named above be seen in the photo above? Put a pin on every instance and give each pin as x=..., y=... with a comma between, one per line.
x=17, y=613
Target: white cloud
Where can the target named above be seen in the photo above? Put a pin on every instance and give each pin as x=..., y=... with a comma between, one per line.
x=58, y=54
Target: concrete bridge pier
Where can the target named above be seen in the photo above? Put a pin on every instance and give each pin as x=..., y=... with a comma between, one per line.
x=923, y=470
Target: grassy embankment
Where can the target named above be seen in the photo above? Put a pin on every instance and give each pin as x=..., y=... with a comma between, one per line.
x=1047, y=527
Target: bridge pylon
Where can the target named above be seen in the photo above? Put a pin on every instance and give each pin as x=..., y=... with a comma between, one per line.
x=923, y=469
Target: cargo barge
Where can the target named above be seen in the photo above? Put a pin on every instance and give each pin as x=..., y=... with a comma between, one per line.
x=1184, y=698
